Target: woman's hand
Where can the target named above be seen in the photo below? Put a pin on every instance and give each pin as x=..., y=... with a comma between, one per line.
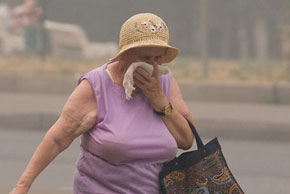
x=175, y=122
x=150, y=86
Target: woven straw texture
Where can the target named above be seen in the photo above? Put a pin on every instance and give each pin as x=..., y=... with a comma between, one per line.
x=145, y=30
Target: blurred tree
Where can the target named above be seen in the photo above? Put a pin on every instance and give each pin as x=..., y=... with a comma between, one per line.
x=204, y=38
x=286, y=41
x=231, y=24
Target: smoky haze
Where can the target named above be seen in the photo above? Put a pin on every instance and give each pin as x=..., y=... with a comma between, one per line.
x=236, y=28
x=233, y=71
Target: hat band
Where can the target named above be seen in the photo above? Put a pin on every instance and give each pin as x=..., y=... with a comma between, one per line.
x=145, y=38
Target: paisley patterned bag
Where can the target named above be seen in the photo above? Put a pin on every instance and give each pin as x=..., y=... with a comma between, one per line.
x=203, y=171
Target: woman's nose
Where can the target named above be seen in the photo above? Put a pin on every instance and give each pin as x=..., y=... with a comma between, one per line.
x=150, y=60
x=155, y=60
x=158, y=60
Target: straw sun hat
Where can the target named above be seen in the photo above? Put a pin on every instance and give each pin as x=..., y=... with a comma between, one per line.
x=145, y=30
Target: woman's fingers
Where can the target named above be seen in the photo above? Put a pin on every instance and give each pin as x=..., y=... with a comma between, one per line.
x=140, y=71
x=139, y=84
x=148, y=84
x=155, y=70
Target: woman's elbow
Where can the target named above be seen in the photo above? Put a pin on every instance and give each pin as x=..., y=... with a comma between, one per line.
x=62, y=143
x=186, y=143
x=60, y=136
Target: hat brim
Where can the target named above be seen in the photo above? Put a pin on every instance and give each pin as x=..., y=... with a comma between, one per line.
x=170, y=55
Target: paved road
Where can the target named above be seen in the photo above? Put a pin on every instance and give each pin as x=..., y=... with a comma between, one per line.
x=261, y=167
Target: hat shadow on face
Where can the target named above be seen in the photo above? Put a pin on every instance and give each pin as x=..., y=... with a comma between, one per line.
x=145, y=54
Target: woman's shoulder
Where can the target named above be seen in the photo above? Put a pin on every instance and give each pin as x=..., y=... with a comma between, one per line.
x=96, y=71
x=93, y=76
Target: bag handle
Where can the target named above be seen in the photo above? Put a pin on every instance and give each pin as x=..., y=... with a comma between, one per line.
x=196, y=135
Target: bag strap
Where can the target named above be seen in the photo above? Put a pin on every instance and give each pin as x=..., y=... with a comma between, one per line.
x=198, y=139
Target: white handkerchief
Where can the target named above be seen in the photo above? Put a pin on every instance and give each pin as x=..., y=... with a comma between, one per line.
x=128, y=81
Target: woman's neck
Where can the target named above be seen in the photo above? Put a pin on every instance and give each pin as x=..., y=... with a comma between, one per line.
x=118, y=70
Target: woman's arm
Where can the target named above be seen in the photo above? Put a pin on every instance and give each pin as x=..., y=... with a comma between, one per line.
x=175, y=122
x=78, y=115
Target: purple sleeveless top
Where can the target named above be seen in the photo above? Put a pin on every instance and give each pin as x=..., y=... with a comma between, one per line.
x=125, y=150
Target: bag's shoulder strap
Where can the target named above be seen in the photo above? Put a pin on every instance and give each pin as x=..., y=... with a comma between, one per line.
x=196, y=135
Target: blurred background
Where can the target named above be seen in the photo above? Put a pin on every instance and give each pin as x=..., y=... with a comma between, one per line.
x=248, y=40
x=233, y=70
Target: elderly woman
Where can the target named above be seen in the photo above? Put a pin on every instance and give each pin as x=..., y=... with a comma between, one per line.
x=124, y=142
